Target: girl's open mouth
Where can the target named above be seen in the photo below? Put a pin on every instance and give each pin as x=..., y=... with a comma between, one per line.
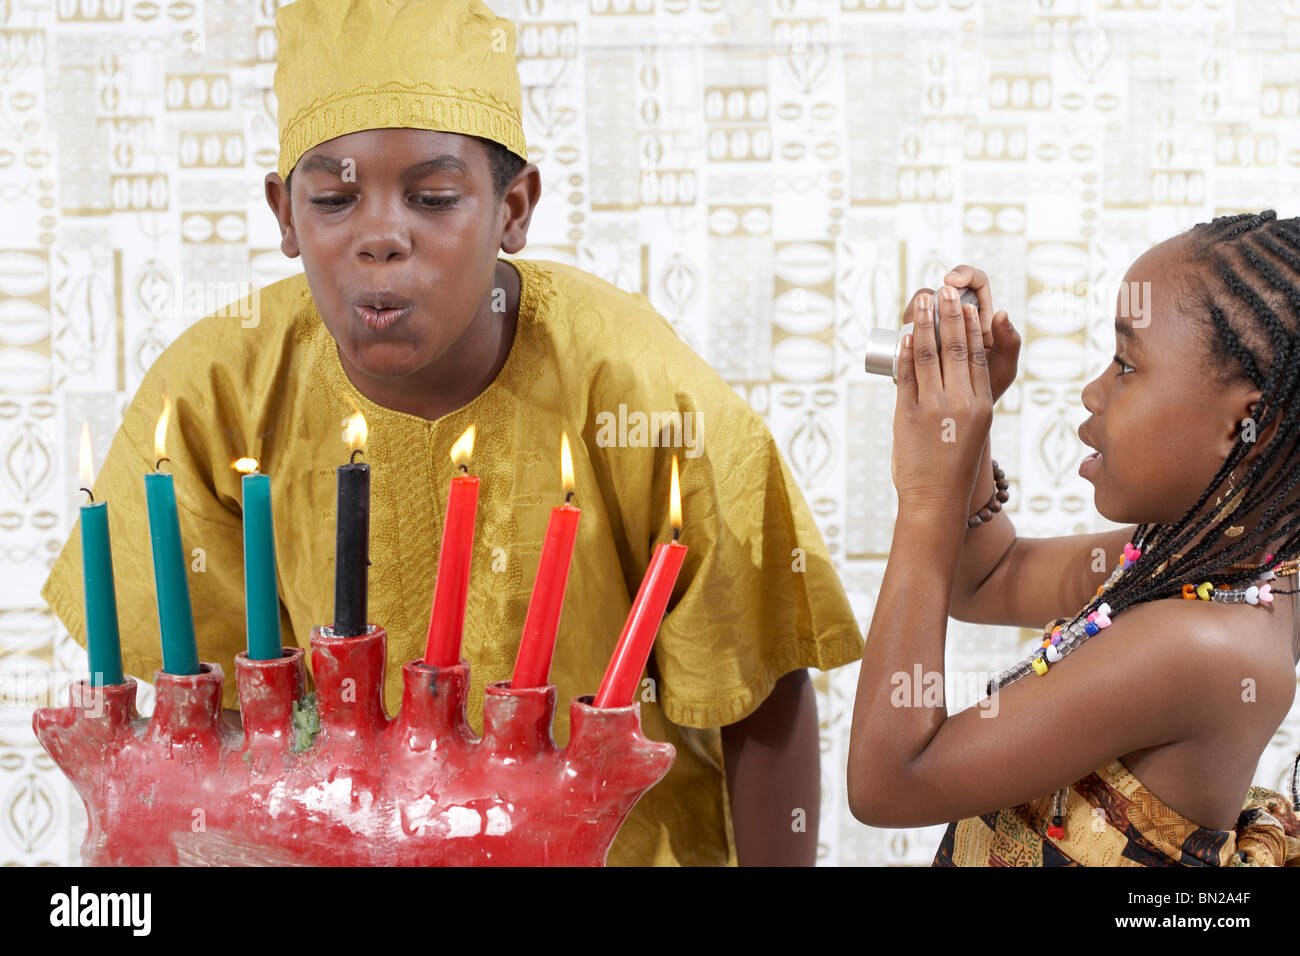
x=1089, y=463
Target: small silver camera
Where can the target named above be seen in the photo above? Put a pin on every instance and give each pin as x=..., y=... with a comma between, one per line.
x=885, y=345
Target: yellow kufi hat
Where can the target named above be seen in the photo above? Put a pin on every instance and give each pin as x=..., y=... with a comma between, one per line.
x=349, y=65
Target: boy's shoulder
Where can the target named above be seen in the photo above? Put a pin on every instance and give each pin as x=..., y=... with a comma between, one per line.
x=629, y=360
x=587, y=303
x=600, y=323
x=239, y=327
x=578, y=284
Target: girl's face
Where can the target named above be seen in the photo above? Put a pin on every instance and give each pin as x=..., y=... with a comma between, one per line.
x=412, y=212
x=1162, y=427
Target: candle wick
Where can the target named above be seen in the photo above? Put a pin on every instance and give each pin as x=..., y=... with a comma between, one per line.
x=464, y=469
x=352, y=458
x=677, y=533
x=90, y=493
x=159, y=464
x=568, y=497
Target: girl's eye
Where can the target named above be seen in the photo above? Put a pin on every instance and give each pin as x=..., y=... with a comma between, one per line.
x=1123, y=366
x=332, y=203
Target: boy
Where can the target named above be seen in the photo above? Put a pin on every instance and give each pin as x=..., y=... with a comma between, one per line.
x=402, y=172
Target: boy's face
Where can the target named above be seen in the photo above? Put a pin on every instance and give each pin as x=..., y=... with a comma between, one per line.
x=407, y=213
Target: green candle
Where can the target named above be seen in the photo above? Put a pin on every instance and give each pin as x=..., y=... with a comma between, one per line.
x=103, y=643
x=261, y=599
x=175, y=617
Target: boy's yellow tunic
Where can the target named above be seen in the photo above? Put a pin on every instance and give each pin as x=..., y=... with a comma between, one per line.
x=756, y=599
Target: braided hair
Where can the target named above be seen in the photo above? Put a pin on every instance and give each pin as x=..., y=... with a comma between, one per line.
x=1247, y=268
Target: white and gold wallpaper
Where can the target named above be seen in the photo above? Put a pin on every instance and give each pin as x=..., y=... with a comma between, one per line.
x=776, y=176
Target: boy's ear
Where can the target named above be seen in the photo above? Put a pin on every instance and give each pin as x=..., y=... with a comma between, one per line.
x=277, y=197
x=517, y=207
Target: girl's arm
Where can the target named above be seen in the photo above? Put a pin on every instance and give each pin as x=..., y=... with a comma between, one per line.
x=1037, y=579
x=1158, y=675
x=1155, y=676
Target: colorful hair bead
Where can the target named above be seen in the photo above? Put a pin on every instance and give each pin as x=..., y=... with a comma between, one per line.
x=1204, y=590
x=1091, y=628
x=1189, y=592
x=1039, y=665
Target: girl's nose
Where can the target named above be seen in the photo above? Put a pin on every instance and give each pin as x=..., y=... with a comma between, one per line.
x=1091, y=395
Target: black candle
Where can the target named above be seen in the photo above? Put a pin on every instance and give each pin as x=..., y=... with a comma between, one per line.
x=352, y=537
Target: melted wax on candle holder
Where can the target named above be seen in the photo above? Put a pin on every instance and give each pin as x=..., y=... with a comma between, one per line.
x=328, y=778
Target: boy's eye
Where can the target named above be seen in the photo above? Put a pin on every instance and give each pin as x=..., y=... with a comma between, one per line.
x=1123, y=366
x=433, y=202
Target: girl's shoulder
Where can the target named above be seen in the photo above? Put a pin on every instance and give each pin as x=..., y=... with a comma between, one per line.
x=1224, y=654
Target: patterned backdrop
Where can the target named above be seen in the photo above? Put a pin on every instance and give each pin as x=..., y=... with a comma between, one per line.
x=776, y=176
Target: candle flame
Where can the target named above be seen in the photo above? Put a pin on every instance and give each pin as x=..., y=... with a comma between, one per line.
x=354, y=434
x=566, y=463
x=87, y=462
x=464, y=447
x=245, y=466
x=160, y=432
x=676, y=501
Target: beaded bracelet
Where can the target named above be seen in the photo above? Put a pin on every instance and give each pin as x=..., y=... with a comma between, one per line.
x=1000, y=494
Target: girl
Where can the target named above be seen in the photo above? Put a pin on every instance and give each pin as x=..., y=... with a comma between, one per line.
x=1141, y=747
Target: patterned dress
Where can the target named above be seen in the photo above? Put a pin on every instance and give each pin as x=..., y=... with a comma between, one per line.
x=1111, y=819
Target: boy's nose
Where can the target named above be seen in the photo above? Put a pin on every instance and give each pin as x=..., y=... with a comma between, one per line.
x=383, y=235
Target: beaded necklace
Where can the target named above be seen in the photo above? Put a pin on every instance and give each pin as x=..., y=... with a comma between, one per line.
x=1061, y=636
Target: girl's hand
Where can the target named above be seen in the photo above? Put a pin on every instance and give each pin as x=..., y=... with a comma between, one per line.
x=1001, y=341
x=944, y=409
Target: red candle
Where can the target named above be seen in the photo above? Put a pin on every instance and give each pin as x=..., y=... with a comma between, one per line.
x=633, y=650
x=447, y=620
x=533, y=666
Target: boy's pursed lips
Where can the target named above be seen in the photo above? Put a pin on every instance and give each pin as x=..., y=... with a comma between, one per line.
x=381, y=299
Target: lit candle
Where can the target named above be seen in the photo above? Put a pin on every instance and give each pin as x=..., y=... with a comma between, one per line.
x=352, y=535
x=261, y=599
x=103, y=643
x=533, y=666
x=447, y=619
x=180, y=653
x=633, y=649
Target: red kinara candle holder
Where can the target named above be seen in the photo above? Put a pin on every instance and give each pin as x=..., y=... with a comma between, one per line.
x=329, y=779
